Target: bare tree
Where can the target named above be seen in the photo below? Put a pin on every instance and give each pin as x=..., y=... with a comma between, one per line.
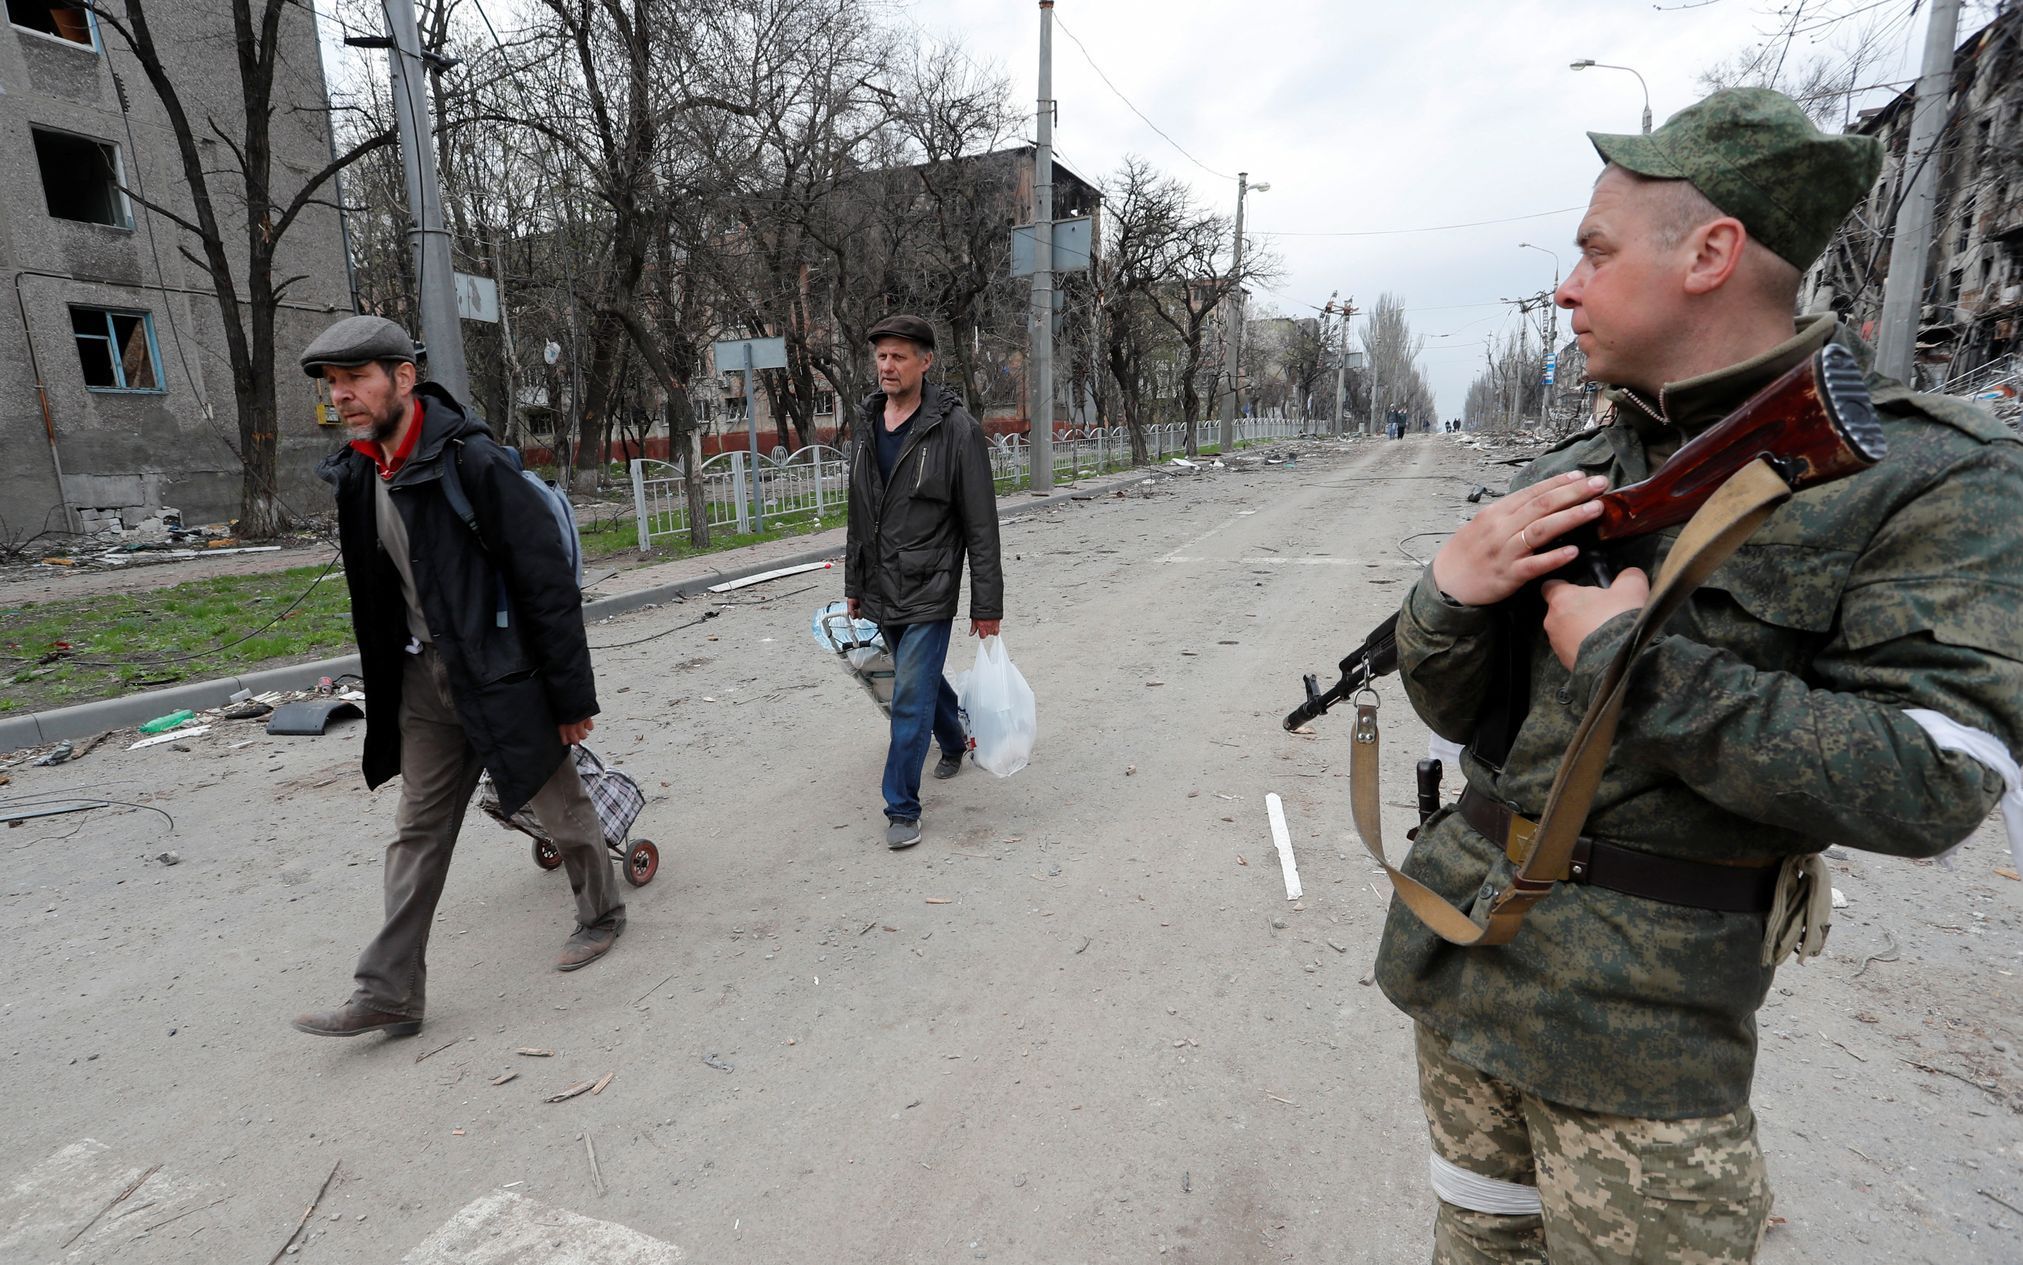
x=247, y=189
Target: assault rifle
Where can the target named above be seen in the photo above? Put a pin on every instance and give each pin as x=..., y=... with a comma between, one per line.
x=1813, y=425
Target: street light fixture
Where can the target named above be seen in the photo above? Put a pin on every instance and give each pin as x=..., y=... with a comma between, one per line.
x=1585, y=62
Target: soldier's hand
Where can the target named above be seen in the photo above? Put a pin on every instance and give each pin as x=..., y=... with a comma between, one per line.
x=1574, y=611
x=1504, y=548
x=573, y=734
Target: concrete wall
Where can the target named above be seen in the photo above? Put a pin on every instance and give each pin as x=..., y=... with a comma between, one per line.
x=133, y=453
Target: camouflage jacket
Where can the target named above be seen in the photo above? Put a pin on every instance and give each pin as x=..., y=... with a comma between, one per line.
x=1767, y=720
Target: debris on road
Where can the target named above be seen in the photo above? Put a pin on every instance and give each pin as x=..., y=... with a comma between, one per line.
x=532, y=1053
x=502, y=1079
x=598, y=1088
x=289, y=1245
x=168, y=858
x=763, y=576
x=571, y=1092
x=162, y=724
x=596, y=1174
x=174, y=735
x=711, y=1060
x=1274, y=809
x=58, y=755
x=311, y=718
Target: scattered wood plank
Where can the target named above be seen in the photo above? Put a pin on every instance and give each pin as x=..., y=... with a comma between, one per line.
x=604, y=1080
x=571, y=1092
x=500, y=1080
x=532, y=1053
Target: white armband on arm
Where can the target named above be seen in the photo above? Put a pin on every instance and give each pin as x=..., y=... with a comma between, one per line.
x=1950, y=735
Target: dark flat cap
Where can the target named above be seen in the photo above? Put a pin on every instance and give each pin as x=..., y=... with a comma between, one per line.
x=1755, y=155
x=357, y=340
x=903, y=326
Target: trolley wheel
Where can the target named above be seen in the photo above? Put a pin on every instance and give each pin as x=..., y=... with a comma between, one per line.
x=547, y=855
x=641, y=863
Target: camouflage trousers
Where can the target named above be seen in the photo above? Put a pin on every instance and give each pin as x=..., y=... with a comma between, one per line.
x=1613, y=1190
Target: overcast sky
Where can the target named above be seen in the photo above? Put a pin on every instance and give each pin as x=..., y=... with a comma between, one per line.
x=1377, y=116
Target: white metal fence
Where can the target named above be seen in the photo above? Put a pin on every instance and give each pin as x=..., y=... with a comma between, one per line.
x=740, y=493
x=814, y=482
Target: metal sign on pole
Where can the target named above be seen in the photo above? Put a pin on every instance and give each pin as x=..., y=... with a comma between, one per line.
x=1070, y=249
x=477, y=298
x=748, y=355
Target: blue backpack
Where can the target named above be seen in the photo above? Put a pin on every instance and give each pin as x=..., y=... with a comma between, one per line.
x=557, y=503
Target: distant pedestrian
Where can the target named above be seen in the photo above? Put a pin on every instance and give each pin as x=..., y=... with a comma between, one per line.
x=921, y=497
x=473, y=654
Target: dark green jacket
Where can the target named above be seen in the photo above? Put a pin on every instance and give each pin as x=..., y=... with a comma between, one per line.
x=1768, y=721
x=908, y=540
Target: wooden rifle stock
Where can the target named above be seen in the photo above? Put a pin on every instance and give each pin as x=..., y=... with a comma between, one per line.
x=1815, y=424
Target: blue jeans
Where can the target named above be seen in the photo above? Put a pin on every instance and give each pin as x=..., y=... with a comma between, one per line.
x=923, y=707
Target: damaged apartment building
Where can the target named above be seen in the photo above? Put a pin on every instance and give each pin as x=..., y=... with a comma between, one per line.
x=116, y=396
x=1971, y=317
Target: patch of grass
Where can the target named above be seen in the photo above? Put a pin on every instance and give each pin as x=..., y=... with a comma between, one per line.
x=125, y=641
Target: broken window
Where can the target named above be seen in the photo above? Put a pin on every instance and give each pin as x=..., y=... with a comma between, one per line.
x=116, y=349
x=55, y=18
x=81, y=179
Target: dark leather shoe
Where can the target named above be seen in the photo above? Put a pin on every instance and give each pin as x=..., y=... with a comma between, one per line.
x=589, y=944
x=948, y=766
x=352, y=1019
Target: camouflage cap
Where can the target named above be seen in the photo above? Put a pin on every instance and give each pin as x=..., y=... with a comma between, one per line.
x=1756, y=155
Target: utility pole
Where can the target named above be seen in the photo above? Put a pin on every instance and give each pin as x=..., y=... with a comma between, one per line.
x=1346, y=310
x=435, y=273
x=1040, y=397
x=1232, y=342
x=1904, y=289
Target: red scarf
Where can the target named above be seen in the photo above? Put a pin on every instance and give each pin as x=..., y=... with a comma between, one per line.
x=389, y=465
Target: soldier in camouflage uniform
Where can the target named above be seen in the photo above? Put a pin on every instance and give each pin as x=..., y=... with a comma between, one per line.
x=1587, y=1084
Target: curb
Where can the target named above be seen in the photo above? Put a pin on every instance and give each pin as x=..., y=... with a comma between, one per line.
x=84, y=719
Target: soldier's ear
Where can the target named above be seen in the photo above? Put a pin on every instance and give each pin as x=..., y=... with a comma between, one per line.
x=1717, y=249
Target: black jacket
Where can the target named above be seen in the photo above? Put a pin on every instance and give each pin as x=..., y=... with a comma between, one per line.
x=907, y=541
x=512, y=685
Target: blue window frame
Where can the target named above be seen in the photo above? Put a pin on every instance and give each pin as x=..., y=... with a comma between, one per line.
x=117, y=350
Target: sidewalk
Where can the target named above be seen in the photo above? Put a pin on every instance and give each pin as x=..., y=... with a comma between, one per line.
x=627, y=591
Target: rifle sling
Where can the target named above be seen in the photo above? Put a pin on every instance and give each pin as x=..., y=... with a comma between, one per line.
x=1728, y=518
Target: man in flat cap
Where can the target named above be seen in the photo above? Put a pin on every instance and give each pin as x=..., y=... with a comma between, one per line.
x=470, y=638
x=1852, y=675
x=921, y=497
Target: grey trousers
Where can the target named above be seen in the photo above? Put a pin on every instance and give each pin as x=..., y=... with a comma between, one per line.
x=438, y=773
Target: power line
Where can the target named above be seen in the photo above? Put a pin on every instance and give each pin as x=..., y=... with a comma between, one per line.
x=1063, y=28
x=1428, y=228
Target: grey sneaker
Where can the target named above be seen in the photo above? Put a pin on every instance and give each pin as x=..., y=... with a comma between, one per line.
x=902, y=834
x=948, y=766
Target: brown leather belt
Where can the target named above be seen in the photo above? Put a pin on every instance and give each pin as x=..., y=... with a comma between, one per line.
x=1745, y=887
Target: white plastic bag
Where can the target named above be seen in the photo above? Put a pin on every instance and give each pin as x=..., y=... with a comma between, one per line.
x=1003, y=717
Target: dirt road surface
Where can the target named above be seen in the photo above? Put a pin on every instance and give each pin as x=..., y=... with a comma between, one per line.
x=1080, y=1023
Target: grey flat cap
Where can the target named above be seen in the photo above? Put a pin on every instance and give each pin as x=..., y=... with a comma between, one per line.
x=903, y=326
x=357, y=340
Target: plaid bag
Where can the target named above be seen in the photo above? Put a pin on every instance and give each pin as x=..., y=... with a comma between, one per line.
x=616, y=797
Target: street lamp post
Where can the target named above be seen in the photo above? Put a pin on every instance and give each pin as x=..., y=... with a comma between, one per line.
x=1233, y=339
x=1552, y=330
x=1585, y=62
